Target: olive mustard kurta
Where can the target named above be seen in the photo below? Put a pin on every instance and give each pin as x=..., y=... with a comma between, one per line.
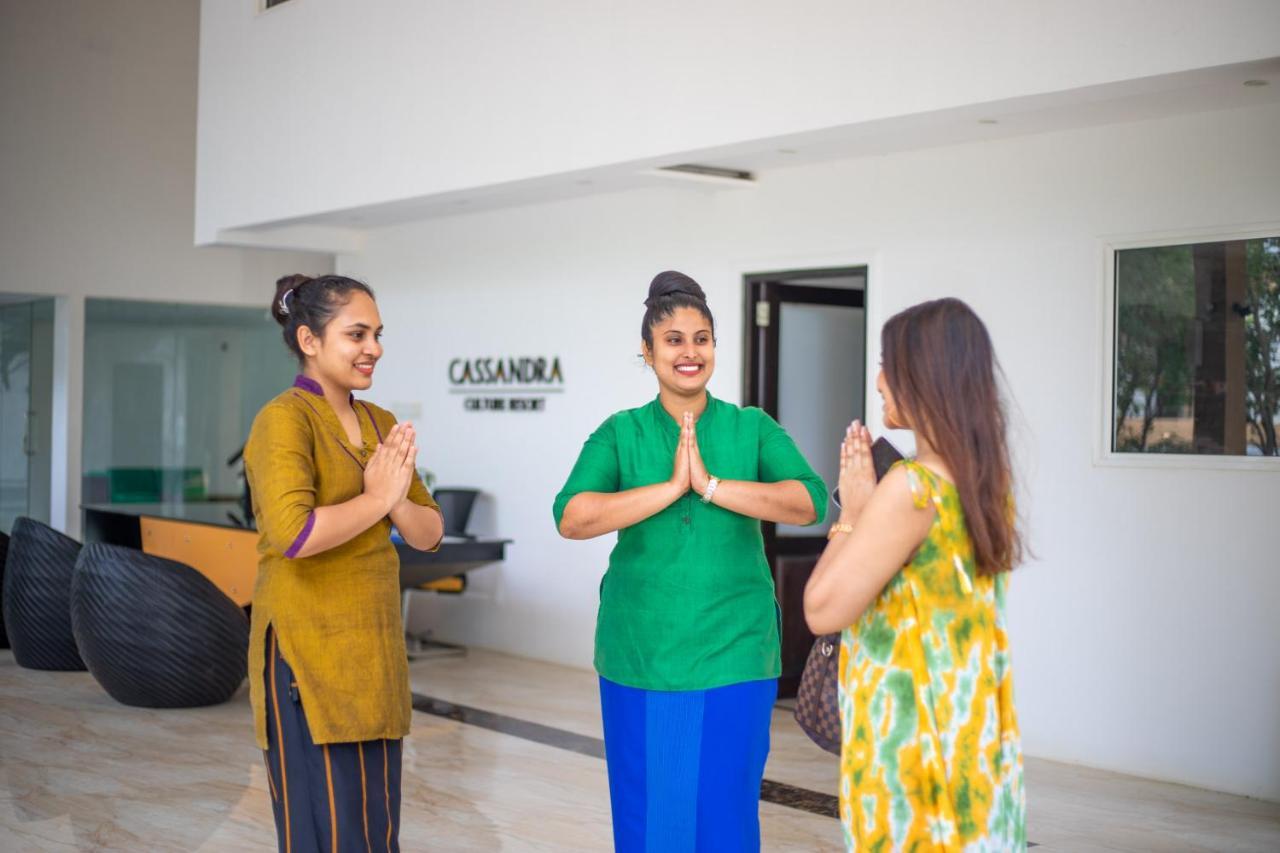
x=337, y=613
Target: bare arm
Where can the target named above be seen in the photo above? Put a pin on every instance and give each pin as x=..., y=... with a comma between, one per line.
x=887, y=529
x=386, y=482
x=786, y=502
x=338, y=524
x=421, y=526
x=592, y=514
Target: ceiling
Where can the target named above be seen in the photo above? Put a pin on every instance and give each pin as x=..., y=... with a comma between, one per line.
x=1135, y=100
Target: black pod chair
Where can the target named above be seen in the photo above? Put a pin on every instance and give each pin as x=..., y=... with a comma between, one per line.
x=156, y=633
x=37, y=597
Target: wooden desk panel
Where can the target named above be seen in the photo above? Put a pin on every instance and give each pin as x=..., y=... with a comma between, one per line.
x=211, y=539
x=225, y=556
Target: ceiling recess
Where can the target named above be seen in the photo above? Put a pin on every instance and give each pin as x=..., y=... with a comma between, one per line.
x=699, y=170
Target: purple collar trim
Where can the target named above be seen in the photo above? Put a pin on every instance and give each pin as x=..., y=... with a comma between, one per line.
x=306, y=383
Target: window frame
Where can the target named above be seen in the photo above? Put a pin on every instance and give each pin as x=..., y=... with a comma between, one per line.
x=1104, y=454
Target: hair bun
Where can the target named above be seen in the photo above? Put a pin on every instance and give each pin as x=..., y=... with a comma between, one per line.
x=671, y=282
x=292, y=281
x=284, y=286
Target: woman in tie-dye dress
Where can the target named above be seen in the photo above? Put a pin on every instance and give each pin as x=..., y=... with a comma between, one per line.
x=916, y=575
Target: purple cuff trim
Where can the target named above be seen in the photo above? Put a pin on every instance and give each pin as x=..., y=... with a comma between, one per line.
x=302, y=537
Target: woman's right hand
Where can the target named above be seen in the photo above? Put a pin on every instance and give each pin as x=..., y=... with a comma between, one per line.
x=390, y=471
x=857, y=472
x=680, y=469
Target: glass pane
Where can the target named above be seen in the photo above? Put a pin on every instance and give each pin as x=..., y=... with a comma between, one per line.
x=15, y=403
x=821, y=378
x=40, y=412
x=1197, y=361
x=170, y=394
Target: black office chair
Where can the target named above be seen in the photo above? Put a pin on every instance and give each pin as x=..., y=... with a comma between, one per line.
x=456, y=505
x=156, y=633
x=37, y=597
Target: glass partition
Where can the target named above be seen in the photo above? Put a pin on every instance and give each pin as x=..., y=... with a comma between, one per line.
x=26, y=403
x=170, y=392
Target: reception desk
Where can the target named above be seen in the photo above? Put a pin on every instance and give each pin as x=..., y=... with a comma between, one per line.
x=213, y=538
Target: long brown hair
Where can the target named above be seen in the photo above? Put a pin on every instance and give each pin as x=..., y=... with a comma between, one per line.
x=941, y=369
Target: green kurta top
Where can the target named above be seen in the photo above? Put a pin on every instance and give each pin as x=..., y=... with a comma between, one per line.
x=687, y=602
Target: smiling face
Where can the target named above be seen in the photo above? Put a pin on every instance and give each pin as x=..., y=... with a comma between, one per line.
x=683, y=356
x=345, y=354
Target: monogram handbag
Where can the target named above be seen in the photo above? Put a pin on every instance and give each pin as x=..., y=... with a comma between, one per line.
x=817, y=704
x=817, y=700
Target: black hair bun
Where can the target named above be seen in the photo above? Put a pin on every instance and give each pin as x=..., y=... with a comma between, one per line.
x=670, y=283
x=285, y=284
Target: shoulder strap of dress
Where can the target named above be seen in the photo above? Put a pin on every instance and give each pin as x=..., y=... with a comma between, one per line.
x=920, y=479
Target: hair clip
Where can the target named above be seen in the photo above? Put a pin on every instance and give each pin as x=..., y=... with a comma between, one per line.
x=284, y=302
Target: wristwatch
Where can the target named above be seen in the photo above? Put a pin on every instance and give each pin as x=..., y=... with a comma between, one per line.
x=711, y=489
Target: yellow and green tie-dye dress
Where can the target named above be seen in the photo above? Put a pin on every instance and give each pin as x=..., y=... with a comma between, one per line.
x=931, y=758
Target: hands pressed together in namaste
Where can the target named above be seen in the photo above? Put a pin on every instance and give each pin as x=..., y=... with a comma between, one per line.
x=857, y=471
x=689, y=472
x=391, y=469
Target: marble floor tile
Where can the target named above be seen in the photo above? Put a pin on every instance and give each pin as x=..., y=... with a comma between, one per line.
x=80, y=772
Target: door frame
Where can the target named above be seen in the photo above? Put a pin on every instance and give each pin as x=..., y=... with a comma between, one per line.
x=868, y=258
x=760, y=384
x=791, y=559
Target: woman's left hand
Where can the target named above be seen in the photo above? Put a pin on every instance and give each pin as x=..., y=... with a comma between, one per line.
x=857, y=472
x=698, y=476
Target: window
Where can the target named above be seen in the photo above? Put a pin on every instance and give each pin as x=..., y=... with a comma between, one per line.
x=1197, y=348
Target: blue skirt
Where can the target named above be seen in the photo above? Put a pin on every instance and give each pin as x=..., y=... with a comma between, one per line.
x=685, y=767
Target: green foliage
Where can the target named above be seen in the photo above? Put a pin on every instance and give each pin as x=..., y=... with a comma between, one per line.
x=1155, y=321
x=1262, y=342
x=1155, y=344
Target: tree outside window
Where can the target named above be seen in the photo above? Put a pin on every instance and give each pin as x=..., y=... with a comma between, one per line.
x=1197, y=361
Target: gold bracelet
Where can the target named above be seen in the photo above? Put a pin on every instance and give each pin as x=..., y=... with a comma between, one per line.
x=841, y=527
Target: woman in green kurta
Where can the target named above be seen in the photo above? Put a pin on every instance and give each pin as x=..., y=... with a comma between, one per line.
x=687, y=643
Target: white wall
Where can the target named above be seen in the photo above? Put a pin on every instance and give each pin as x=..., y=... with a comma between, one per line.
x=324, y=105
x=1144, y=634
x=97, y=177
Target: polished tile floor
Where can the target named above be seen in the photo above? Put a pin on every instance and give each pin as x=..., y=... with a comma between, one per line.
x=502, y=757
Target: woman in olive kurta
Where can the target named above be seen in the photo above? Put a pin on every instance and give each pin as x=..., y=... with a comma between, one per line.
x=329, y=475
x=687, y=644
